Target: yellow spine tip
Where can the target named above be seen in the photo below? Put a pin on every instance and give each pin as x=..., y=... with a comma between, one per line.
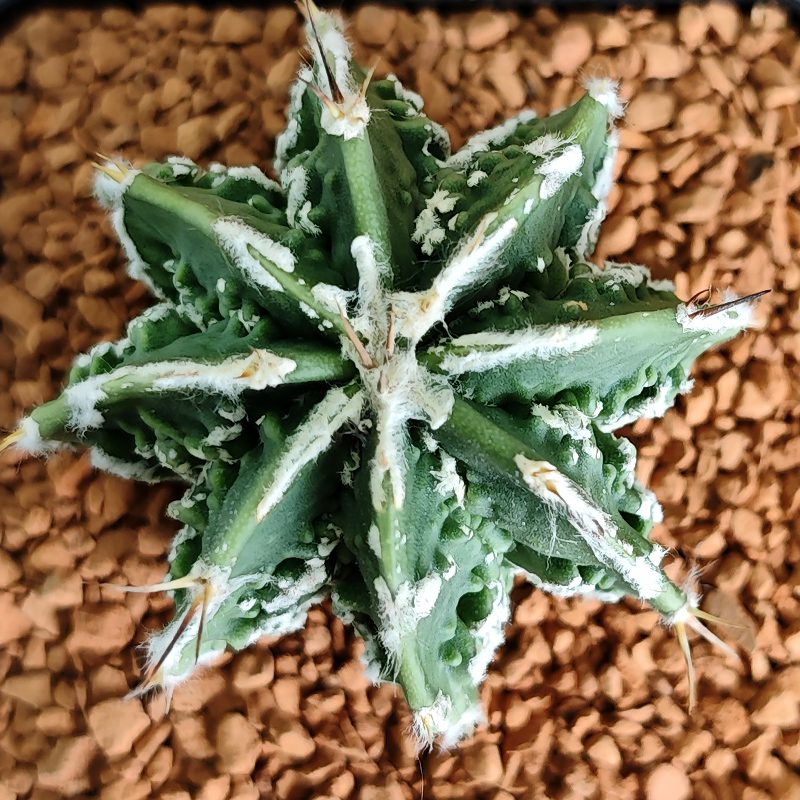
x=11, y=439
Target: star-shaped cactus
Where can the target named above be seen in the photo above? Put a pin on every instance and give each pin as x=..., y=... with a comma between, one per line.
x=392, y=376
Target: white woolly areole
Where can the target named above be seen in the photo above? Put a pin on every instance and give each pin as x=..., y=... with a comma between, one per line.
x=400, y=91
x=349, y=122
x=428, y=230
x=401, y=612
x=374, y=278
x=314, y=436
x=732, y=319
x=606, y=92
x=236, y=238
x=137, y=267
x=28, y=439
x=108, y=191
x=602, y=186
x=257, y=370
x=254, y=174
x=295, y=182
x=475, y=262
x=430, y=722
x=559, y=169
x=287, y=138
x=596, y=528
x=492, y=349
x=132, y=470
x=490, y=632
x=482, y=141
x=448, y=481
x=575, y=588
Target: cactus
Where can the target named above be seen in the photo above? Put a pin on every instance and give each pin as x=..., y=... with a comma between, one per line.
x=393, y=376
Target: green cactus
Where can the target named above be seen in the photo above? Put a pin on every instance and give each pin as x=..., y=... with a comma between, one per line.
x=392, y=377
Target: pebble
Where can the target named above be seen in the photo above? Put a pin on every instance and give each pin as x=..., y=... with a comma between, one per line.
x=234, y=26
x=31, y=687
x=238, y=744
x=668, y=782
x=107, y=52
x=374, y=24
x=649, y=111
x=14, y=624
x=65, y=769
x=571, y=48
x=116, y=724
x=12, y=65
x=100, y=630
x=485, y=29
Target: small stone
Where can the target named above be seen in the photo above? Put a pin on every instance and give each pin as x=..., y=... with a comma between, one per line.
x=605, y=753
x=485, y=29
x=754, y=403
x=667, y=782
x=781, y=710
x=100, y=630
x=14, y=624
x=296, y=744
x=618, y=235
x=235, y=27
x=610, y=32
x=10, y=570
x=649, y=111
x=12, y=64
x=238, y=744
x=65, y=769
x=665, y=61
x=724, y=19
x=484, y=763
x=502, y=72
x=18, y=308
x=375, y=24
x=191, y=739
x=116, y=724
x=31, y=687
x=195, y=136
x=215, y=788
x=572, y=46
x=692, y=25
x=107, y=51
x=56, y=721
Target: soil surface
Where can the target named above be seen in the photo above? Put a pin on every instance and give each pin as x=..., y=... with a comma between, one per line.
x=584, y=701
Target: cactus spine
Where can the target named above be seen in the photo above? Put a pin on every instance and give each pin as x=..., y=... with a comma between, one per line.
x=393, y=377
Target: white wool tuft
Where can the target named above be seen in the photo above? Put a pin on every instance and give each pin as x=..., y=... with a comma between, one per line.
x=606, y=92
x=107, y=191
x=559, y=169
x=137, y=268
x=254, y=174
x=132, y=470
x=474, y=263
x=596, y=528
x=30, y=439
x=491, y=349
x=309, y=441
x=482, y=141
x=490, y=632
x=295, y=182
x=237, y=238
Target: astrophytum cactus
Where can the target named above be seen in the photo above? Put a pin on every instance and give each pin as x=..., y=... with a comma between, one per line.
x=392, y=376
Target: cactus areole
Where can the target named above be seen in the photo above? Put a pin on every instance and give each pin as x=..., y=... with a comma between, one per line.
x=393, y=376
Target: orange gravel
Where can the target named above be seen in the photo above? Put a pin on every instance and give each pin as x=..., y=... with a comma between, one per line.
x=584, y=701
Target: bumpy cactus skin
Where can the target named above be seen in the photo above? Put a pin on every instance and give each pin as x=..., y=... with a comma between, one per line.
x=392, y=377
